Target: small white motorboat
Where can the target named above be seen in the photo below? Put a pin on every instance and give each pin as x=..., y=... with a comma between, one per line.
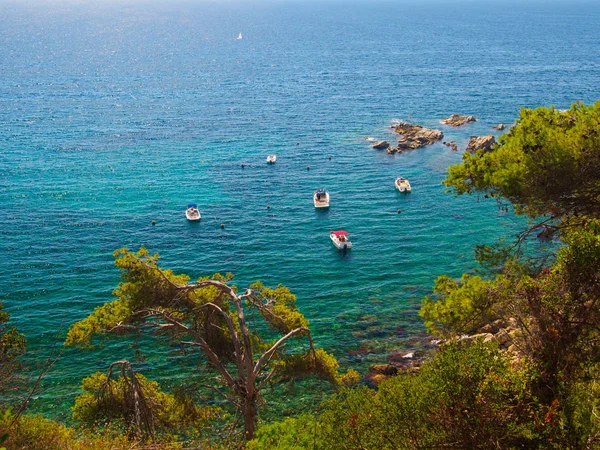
x=271, y=159
x=321, y=198
x=403, y=185
x=340, y=239
x=192, y=213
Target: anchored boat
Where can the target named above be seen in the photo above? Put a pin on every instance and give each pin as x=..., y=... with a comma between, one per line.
x=403, y=185
x=192, y=213
x=340, y=239
x=321, y=198
x=271, y=159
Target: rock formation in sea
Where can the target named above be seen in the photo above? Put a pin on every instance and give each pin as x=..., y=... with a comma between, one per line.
x=452, y=145
x=381, y=145
x=486, y=143
x=456, y=120
x=499, y=127
x=413, y=136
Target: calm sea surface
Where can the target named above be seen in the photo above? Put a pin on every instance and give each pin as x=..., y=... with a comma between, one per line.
x=115, y=115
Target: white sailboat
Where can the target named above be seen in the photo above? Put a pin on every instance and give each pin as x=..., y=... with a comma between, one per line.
x=239, y=38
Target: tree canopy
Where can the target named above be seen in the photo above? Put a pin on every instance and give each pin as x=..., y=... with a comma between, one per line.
x=547, y=164
x=208, y=317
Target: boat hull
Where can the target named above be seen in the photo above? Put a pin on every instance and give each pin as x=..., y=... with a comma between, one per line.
x=323, y=203
x=340, y=245
x=192, y=217
x=403, y=186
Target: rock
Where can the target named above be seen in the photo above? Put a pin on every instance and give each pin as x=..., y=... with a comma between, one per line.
x=499, y=127
x=452, y=145
x=546, y=233
x=384, y=369
x=503, y=338
x=456, y=120
x=485, y=143
x=485, y=337
x=487, y=328
x=362, y=350
x=415, y=136
x=381, y=145
x=374, y=378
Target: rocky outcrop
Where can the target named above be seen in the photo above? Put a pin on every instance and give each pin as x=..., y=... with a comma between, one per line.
x=414, y=136
x=499, y=127
x=452, y=145
x=456, y=120
x=505, y=332
x=486, y=143
x=381, y=145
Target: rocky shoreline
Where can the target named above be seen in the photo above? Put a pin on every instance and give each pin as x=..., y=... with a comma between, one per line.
x=506, y=333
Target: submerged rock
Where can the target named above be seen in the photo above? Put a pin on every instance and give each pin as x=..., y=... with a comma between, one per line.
x=452, y=145
x=485, y=143
x=456, y=120
x=381, y=145
x=375, y=378
x=384, y=369
x=414, y=136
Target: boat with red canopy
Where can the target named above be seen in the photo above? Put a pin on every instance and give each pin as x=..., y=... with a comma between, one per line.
x=340, y=239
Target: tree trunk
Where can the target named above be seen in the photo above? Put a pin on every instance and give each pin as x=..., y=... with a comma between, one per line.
x=250, y=416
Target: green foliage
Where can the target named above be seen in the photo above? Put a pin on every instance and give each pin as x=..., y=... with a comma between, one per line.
x=106, y=403
x=35, y=432
x=280, y=311
x=12, y=343
x=318, y=363
x=466, y=397
x=547, y=164
x=459, y=307
x=12, y=347
x=209, y=317
x=296, y=433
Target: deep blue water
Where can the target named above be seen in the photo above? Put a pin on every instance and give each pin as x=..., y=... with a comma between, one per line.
x=114, y=115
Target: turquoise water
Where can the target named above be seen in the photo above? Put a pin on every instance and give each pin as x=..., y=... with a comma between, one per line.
x=112, y=116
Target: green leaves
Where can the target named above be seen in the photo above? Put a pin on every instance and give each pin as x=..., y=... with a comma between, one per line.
x=466, y=397
x=547, y=164
x=278, y=307
x=459, y=307
x=208, y=317
x=108, y=402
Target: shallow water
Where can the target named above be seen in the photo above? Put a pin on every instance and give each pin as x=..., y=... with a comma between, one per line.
x=113, y=116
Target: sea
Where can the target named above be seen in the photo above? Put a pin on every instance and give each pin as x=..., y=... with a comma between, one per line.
x=115, y=115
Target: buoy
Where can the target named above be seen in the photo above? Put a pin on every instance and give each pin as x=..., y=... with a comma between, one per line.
x=268, y=206
x=399, y=211
x=154, y=222
x=222, y=225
